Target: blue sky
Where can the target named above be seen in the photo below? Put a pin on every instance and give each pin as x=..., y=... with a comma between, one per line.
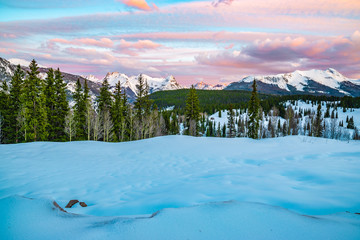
x=212, y=41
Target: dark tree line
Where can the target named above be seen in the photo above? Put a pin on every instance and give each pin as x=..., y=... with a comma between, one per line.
x=33, y=109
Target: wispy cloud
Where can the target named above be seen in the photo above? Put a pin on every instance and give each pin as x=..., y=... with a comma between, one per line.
x=139, y=4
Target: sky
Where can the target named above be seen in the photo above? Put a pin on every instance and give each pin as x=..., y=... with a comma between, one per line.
x=215, y=41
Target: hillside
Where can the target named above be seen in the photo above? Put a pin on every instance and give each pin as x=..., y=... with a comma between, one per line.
x=209, y=99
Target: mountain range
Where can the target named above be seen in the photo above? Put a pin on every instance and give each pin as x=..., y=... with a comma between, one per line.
x=317, y=82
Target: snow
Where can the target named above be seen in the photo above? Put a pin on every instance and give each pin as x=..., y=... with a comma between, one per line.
x=39, y=219
x=298, y=79
x=155, y=84
x=353, y=112
x=184, y=176
x=23, y=62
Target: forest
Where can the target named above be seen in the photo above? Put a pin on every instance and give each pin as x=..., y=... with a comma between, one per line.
x=32, y=109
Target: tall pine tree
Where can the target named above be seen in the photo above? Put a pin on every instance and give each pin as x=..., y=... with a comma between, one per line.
x=192, y=112
x=142, y=108
x=118, y=113
x=50, y=102
x=15, y=105
x=253, y=112
x=104, y=106
x=79, y=112
x=61, y=107
x=4, y=113
x=318, y=129
x=231, y=122
x=34, y=103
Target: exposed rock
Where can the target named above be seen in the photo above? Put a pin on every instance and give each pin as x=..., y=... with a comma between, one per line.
x=83, y=204
x=71, y=203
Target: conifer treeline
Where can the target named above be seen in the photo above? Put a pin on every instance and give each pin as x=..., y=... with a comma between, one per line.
x=32, y=109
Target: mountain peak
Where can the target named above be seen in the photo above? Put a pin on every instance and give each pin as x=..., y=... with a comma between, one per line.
x=321, y=82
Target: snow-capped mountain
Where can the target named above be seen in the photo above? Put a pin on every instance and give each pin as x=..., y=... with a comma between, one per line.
x=205, y=86
x=129, y=83
x=7, y=69
x=328, y=82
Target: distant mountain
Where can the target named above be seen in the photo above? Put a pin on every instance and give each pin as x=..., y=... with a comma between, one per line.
x=205, y=86
x=329, y=82
x=128, y=83
x=7, y=70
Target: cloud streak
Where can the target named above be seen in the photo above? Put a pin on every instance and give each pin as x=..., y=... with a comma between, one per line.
x=139, y=4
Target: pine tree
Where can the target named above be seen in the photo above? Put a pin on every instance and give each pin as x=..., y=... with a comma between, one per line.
x=118, y=113
x=16, y=105
x=4, y=113
x=50, y=102
x=79, y=112
x=192, y=112
x=105, y=103
x=34, y=103
x=224, y=130
x=231, y=123
x=253, y=112
x=318, y=130
x=142, y=107
x=61, y=108
x=218, y=130
x=351, y=124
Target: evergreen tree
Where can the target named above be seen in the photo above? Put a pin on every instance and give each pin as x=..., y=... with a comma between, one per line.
x=50, y=102
x=218, y=130
x=142, y=107
x=253, y=112
x=351, y=124
x=15, y=105
x=34, y=103
x=231, y=123
x=318, y=130
x=79, y=112
x=192, y=111
x=224, y=130
x=61, y=108
x=118, y=113
x=104, y=106
x=4, y=114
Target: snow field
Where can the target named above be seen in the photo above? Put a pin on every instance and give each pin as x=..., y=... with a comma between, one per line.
x=312, y=176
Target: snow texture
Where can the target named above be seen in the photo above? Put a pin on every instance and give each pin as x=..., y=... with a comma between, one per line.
x=185, y=176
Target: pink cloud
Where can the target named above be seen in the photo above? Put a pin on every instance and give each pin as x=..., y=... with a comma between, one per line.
x=271, y=56
x=7, y=50
x=132, y=48
x=7, y=35
x=139, y=4
x=103, y=42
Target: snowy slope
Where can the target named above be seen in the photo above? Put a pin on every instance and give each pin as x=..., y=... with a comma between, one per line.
x=328, y=82
x=38, y=219
x=306, y=175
